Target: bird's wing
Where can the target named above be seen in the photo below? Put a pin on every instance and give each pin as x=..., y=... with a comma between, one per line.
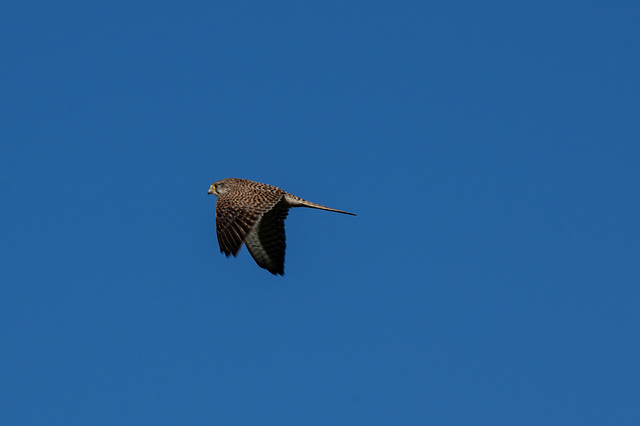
x=266, y=241
x=234, y=221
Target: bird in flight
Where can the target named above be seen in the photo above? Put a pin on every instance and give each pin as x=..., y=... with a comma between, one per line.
x=253, y=213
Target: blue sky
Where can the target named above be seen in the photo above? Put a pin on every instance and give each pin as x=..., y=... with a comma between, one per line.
x=490, y=150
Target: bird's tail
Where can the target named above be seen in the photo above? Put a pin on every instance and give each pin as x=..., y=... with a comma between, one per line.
x=300, y=202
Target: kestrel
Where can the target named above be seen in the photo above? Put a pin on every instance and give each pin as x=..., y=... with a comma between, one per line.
x=254, y=213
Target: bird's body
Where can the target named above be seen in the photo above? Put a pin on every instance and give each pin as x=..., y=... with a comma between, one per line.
x=254, y=213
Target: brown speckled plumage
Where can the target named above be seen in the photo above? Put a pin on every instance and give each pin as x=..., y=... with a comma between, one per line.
x=254, y=213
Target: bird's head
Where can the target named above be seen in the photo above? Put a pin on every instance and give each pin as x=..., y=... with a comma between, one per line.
x=220, y=187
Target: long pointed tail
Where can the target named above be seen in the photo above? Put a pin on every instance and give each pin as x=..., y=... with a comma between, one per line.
x=300, y=202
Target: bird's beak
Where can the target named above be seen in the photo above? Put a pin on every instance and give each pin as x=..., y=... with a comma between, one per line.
x=209, y=192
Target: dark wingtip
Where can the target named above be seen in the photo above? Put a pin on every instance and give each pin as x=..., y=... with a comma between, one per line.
x=274, y=271
x=228, y=253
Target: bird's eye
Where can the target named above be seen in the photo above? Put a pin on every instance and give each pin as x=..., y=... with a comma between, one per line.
x=215, y=186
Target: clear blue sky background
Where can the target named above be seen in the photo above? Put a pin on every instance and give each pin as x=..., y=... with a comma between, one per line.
x=490, y=149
